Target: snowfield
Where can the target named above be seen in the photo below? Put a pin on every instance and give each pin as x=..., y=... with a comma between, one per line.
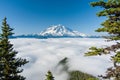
x=44, y=55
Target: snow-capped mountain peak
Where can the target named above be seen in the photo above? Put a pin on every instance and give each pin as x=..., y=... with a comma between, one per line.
x=59, y=30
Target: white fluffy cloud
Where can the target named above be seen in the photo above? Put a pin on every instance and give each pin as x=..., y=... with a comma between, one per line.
x=44, y=55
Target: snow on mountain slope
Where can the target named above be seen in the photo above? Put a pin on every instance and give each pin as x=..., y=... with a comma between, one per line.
x=59, y=30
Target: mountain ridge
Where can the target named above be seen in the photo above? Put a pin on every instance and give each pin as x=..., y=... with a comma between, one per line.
x=56, y=31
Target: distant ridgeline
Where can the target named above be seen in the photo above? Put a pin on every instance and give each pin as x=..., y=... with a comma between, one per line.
x=29, y=36
x=45, y=37
x=57, y=31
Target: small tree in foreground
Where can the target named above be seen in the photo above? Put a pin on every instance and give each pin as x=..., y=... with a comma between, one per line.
x=111, y=10
x=9, y=64
x=49, y=76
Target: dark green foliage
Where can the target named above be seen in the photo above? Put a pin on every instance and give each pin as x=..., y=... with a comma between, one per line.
x=9, y=64
x=77, y=75
x=94, y=51
x=111, y=10
x=116, y=58
x=49, y=76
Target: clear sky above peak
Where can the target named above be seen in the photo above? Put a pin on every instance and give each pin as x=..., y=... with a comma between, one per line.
x=33, y=16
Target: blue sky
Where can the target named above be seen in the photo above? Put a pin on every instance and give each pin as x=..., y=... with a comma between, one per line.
x=33, y=16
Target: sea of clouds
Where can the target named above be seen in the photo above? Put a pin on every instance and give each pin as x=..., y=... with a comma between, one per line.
x=44, y=55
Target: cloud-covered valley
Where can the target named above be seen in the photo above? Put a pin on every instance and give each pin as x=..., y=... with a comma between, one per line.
x=44, y=55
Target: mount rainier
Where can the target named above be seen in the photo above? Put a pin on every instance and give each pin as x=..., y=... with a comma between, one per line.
x=57, y=31
x=60, y=31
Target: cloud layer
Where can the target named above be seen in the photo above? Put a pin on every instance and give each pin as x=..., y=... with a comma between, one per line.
x=44, y=55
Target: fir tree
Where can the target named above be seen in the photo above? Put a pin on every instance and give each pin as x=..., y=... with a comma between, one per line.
x=78, y=75
x=9, y=64
x=49, y=76
x=111, y=10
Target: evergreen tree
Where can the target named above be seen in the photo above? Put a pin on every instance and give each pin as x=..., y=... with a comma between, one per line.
x=49, y=76
x=111, y=10
x=9, y=64
x=78, y=75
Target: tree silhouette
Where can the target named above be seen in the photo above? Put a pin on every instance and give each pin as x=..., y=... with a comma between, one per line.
x=49, y=76
x=111, y=10
x=9, y=64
